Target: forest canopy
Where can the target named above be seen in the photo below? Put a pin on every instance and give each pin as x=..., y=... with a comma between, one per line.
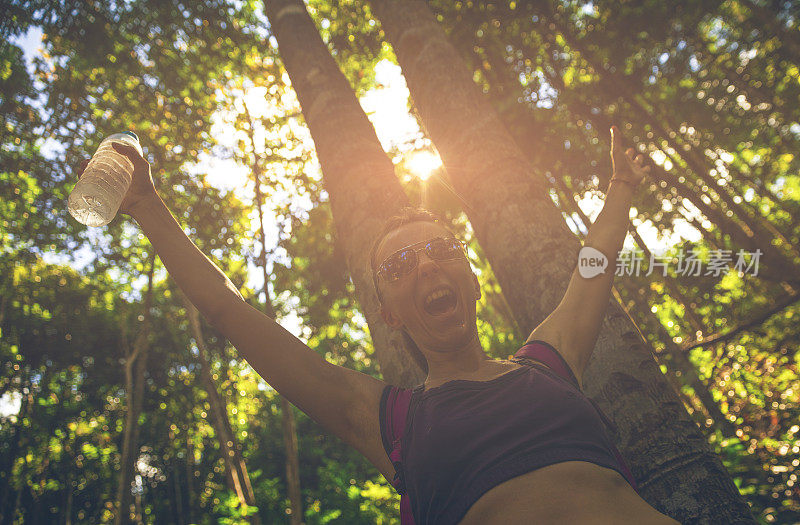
x=118, y=402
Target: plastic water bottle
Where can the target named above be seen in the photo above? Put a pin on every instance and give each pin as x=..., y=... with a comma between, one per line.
x=96, y=198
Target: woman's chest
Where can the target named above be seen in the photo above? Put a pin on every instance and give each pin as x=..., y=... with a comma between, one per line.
x=453, y=428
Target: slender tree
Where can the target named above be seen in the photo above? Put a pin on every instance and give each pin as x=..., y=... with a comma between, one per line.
x=287, y=410
x=514, y=219
x=135, y=366
x=235, y=467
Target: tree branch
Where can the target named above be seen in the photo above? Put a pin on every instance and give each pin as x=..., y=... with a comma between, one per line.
x=757, y=320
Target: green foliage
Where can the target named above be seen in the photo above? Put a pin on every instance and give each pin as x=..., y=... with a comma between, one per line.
x=708, y=90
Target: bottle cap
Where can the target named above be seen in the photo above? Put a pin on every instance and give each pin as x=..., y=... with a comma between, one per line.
x=132, y=134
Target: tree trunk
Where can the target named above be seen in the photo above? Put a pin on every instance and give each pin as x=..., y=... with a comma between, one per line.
x=292, y=462
x=358, y=176
x=235, y=468
x=13, y=512
x=8, y=460
x=188, y=487
x=514, y=219
x=680, y=361
x=68, y=504
x=135, y=364
x=177, y=493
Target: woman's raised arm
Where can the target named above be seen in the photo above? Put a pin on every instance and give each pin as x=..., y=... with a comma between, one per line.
x=344, y=401
x=575, y=324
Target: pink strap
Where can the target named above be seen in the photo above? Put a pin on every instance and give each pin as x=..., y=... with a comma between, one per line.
x=396, y=414
x=398, y=402
x=544, y=352
x=406, y=516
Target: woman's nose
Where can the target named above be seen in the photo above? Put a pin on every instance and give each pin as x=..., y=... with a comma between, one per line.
x=426, y=265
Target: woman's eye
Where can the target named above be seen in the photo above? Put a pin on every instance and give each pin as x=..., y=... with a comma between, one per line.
x=441, y=248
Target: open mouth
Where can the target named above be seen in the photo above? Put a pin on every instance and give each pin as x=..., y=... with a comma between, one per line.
x=440, y=301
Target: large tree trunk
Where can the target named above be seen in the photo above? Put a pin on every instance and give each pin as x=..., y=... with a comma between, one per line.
x=68, y=504
x=176, y=503
x=235, y=468
x=357, y=174
x=135, y=364
x=514, y=219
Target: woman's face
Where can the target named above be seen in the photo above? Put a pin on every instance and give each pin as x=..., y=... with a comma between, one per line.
x=436, y=301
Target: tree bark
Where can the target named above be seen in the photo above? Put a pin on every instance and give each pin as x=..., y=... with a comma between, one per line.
x=514, y=219
x=357, y=174
x=135, y=365
x=680, y=361
x=177, y=503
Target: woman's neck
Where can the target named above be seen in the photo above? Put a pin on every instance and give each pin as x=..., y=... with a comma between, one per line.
x=467, y=361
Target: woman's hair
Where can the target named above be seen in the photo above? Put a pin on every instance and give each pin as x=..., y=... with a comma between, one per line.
x=405, y=216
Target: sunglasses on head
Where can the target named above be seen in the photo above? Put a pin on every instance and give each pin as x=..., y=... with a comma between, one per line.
x=405, y=260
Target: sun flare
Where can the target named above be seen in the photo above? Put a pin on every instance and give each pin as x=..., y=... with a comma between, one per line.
x=422, y=164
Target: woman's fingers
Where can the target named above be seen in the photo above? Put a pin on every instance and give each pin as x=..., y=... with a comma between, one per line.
x=636, y=164
x=131, y=153
x=617, y=142
x=635, y=160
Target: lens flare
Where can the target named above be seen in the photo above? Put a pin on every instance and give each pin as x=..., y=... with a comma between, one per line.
x=422, y=164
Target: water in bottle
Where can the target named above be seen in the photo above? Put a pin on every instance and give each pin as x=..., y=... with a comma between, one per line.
x=97, y=196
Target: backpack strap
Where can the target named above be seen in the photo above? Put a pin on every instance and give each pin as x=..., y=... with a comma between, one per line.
x=394, y=407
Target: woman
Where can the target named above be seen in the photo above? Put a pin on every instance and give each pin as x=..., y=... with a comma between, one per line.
x=428, y=290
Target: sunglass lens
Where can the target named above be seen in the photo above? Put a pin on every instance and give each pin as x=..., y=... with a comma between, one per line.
x=399, y=264
x=443, y=249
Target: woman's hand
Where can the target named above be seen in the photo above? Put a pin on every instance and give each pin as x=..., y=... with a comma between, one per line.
x=627, y=166
x=141, y=188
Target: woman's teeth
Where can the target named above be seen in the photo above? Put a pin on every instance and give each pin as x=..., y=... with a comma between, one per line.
x=436, y=295
x=440, y=301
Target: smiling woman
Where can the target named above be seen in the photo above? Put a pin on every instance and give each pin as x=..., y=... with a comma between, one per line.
x=523, y=426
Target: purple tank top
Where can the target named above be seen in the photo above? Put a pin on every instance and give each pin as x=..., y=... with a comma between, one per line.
x=453, y=443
